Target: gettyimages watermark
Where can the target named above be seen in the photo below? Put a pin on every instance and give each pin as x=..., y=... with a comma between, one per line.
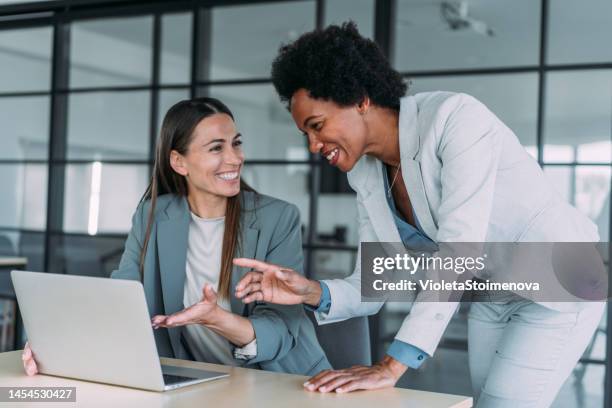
x=472, y=271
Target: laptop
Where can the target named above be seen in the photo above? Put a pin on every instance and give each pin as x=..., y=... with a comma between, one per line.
x=96, y=329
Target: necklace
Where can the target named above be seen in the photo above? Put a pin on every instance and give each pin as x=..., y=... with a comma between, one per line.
x=397, y=170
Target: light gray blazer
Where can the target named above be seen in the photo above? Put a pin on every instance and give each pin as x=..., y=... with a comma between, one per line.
x=469, y=180
x=286, y=340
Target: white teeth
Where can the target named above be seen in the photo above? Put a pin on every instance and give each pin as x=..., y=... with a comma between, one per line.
x=228, y=176
x=332, y=154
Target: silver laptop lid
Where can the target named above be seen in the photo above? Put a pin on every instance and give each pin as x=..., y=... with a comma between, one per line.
x=89, y=328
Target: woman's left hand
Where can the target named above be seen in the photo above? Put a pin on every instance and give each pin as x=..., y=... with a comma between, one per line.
x=199, y=313
x=381, y=375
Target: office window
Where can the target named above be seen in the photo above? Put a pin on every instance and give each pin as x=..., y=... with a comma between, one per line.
x=337, y=219
x=167, y=98
x=111, y=121
x=25, y=127
x=85, y=256
x=28, y=244
x=579, y=31
x=109, y=125
x=176, y=48
x=243, y=42
x=102, y=197
x=267, y=128
x=287, y=182
x=24, y=196
x=332, y=264
x=578, y=114
x=588, y=189
x=511, y=97
x=111, y=52
x=460, y=34
x=25, y=59
x=359, y=11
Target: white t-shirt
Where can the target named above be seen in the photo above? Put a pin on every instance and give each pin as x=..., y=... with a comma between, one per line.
x=204, y=266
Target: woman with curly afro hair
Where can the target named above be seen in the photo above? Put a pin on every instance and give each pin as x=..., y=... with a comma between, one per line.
x=428, y=169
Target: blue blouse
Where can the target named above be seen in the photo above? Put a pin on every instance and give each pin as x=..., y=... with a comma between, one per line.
x=414, y=239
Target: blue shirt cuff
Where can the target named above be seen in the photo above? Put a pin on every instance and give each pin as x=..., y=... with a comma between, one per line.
x=407, y=354
x=325, y=301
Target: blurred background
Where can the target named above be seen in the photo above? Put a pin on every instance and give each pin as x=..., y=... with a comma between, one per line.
x=84, y=86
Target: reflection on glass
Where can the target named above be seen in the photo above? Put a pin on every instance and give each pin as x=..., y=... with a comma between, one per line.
x=26, y=244
x=512, y=97
x=267, y=128
x=433, y=35
x=24, y=196
x=578, y=116
x=588, y=189
x=25, y=59
x=111, y=52
x=359, y=11
x=105, y=125
x=286, y=182
x=244, y=43
x=86, y=256
x=102, y=197
x=25, y=127
x=167, y=98
x=579, y=31
x=176, y=48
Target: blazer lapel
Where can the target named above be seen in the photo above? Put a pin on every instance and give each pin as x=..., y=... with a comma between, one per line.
x=379, y=212
x=409, y=138
x=367, y=180
x=250, y=237
x=248, y=248
x=172, y=240
x=411, y=172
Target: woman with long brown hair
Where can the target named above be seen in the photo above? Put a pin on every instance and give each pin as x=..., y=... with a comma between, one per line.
x=194, y=218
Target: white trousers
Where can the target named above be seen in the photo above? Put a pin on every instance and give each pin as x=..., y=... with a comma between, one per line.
x=521, y=353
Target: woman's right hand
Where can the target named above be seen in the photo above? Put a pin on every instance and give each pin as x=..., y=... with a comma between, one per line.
x=275, y=284
x=29, y=364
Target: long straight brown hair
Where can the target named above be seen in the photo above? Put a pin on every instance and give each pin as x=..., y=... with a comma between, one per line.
x=176, y=134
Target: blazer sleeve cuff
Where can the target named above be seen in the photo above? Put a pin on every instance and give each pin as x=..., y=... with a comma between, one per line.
x=407, y=354
x=345, y=303
x=247, y=352
x=325, y=301
x=424, y=326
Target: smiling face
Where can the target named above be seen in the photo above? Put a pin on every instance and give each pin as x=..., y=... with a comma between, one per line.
x=336, y=132
x=213, y=159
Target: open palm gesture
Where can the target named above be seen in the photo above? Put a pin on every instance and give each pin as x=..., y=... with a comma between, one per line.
x=198, y=313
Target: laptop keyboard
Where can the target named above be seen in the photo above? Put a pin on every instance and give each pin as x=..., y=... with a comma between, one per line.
x=170, y=379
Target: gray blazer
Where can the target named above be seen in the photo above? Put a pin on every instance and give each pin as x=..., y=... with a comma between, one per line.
x=286, y=340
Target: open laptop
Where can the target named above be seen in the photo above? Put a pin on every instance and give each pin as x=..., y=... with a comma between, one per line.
x=96, y=329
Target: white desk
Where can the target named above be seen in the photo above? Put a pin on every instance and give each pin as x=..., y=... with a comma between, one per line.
x=244, y=388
